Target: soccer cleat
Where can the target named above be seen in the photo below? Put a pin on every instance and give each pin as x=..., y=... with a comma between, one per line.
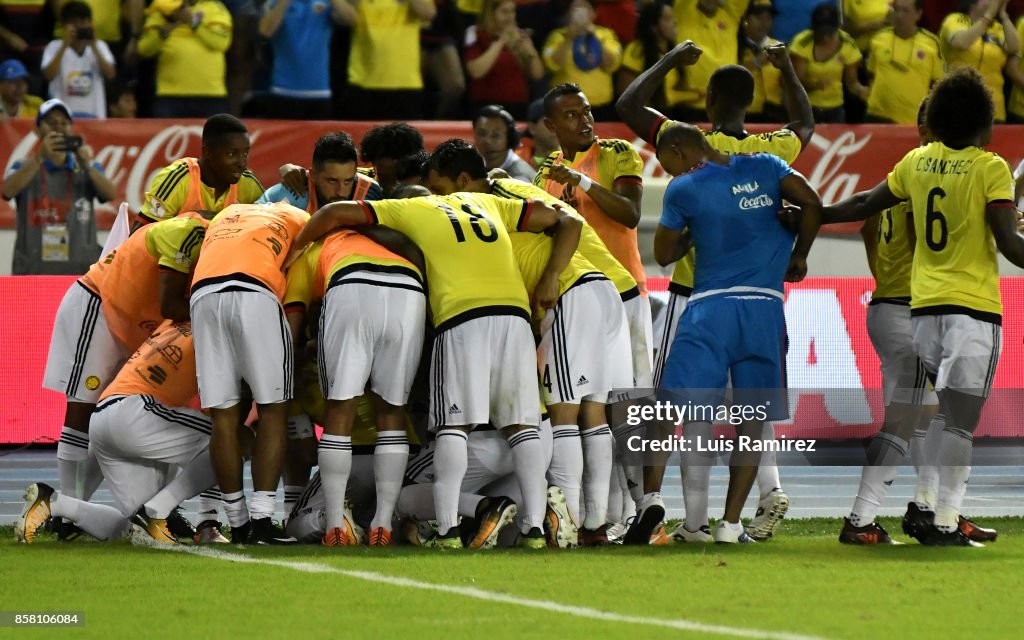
x=493, y=514
x=559, y=528
x=868, y=534
x=533, y=539
x=615, y=532
x=976, y=532
x=65, y=530
x=264, y=531
x=34, y=513
x=208, y=532
x=338, y=537
x=241, y=533
x=917, y=522
x=380, y=537
x=660, y=537
x=731, y=533
x=770, y=512
x=936, y=538
x=450, y=540
x=702, y=534
x=155, y=528
x=179, y=525
x=649, y=516
x=417, y=533
x=594, y=537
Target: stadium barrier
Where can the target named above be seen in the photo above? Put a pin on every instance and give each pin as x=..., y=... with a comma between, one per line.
x=829, y=352
x=840, y=160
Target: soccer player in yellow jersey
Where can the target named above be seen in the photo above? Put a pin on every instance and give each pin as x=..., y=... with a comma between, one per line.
x=963, y=211
x=483, y=367
x=575, y=377
x=217, y=180
x=730, y=93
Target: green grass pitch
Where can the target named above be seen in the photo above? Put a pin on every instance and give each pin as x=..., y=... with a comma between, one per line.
x=802, y=583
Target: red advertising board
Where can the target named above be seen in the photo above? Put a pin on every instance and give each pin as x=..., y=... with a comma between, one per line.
x=839, y=161
x=829, y=352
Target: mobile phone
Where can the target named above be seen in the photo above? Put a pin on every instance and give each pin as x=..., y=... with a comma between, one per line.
x=72, y=143
x=85, y=33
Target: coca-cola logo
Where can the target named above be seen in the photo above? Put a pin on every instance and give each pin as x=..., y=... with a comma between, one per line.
x=132, y=167
x=827, y=177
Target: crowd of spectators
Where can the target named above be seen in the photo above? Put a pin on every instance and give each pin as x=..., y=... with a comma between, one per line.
x=860, y=60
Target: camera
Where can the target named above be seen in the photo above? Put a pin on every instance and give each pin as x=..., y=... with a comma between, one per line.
x=85, y=33
x=72, y=143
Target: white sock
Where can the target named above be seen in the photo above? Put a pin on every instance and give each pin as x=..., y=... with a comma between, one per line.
x=695, y=471
x=291, y=496
x=597, y=474
x=616, y=488
x=263, y=504
x=416, y=501
x=209, y=501
x=196, y=476
x=390, y=457
x=954, y=471
x=927, y=463
x=768, y=471
x=566, y=469
x=528, y=458
x=79, y=472
x=450, y=462
x=335, y=460
x=235, y=508
x=885, y=453
x=99, y=521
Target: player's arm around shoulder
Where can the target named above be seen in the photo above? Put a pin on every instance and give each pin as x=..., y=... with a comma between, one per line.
x=565, y=232
x=327, y=219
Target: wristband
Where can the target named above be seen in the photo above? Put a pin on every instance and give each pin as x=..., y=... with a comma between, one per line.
x=585, y=182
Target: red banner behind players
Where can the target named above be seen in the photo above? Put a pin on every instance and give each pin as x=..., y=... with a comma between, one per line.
x=839, y=161
x=830, y=360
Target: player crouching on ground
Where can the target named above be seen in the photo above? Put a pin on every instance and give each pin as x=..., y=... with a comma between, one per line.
x=142, y=431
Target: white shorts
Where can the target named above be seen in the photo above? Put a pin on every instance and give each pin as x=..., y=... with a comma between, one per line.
x=138, y=441
x=84, y=357
x=904, y=379
x=371, y=333
x=584, y=349
x=641, y=338
x=960, y=351
x=484, y=370
x=241, y=335
x=673, y=311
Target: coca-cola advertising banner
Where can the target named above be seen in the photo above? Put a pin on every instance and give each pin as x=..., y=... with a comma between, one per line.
x=840, y=160
x=831, y=366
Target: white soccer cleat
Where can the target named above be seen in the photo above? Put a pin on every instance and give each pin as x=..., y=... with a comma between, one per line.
x=770, y=512
x=702, y=534
x=731, y=533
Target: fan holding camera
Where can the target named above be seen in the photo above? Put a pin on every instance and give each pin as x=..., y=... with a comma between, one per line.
x=54, y=190
x=77, y=64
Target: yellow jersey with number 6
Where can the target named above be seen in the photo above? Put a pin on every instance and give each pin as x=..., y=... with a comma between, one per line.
x=955, y=268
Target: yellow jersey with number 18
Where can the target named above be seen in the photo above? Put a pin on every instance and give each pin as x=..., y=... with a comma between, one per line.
x=955, y=268
x=471, y=270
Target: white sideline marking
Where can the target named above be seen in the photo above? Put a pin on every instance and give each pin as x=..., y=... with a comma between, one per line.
x=493, y=596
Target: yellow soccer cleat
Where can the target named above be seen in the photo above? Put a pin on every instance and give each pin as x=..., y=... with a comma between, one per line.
x=34, y=513
x=155, y=528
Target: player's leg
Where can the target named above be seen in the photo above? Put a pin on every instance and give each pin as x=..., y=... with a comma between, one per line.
x=515, y=410
x=83, y=358
x=640, y=323
x=396, y=357
x=301, y=454
x=902, y=375
x=654, y=468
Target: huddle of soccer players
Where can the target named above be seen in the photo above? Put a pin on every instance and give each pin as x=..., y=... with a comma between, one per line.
x=478, y=267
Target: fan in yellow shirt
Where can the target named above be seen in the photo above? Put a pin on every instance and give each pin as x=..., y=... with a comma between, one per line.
x=905, y=61
x=585, y=54
x=714, y=25
x=826, y=58
x=981, y=35
x=962, y=199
